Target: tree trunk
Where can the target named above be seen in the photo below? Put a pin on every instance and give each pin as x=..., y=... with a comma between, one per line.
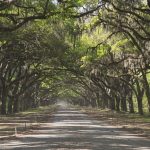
x=131, y=105
x=140, y=105
x=98, y=100
x=147, y=88
x=105, y=103
x=4, y=100
x=117, y=103
x=16, y=105
x=147, y=91
x=123, y=104
x=93, y=102
x=10, y=106
x=112, y=104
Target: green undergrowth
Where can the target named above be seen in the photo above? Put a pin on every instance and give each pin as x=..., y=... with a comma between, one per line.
x=26, y=120
x=141, y=118
x=121, y=114
x=136, y=123
x=41, y=109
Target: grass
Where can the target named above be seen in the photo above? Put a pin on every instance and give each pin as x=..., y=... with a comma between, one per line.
x=145, y=118
x=40, y=109
x=132, y=122
x=25, y=120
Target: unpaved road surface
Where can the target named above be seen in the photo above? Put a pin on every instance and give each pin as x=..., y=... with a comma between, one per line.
x=70, y=129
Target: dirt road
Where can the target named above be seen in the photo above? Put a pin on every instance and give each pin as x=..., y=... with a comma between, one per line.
x=70, y=129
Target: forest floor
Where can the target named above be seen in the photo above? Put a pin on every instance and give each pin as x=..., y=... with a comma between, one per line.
x=23, y=122
x=135, y=123
x=70, y=128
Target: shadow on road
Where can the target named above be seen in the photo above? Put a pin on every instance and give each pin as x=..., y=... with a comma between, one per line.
x=72, y=130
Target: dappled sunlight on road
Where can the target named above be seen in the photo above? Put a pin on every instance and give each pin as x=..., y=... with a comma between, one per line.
x=69, y=129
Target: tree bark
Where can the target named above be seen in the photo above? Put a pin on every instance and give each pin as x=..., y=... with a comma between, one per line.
x=16, y=105
x=117, y=103
x=10, y=106
x=140, y=106
x=3, y=106
x=4, y=101
x=131, y=105
x=123, y=104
